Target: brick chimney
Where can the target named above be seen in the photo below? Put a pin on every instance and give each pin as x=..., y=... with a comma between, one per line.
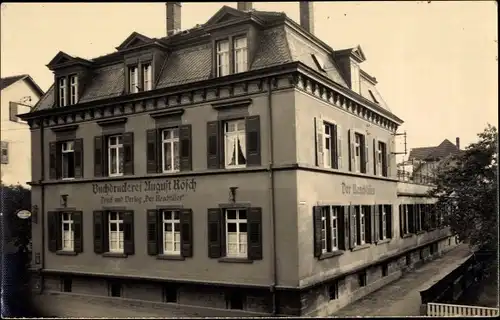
x=244, y=6
x=173, y=17
x=307, y=16
x=457, y=143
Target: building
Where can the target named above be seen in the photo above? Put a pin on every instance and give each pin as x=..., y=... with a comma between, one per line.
x=18, y=94
x=241, y=164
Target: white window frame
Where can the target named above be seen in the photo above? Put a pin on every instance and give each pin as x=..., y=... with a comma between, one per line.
x=172, y=140
x=355, y=77
x=406, y=218
x=67, y=236
x=115, y=148
x=380, y=158
x=238, y=242
x=383, y=219
x=66, y=148
x=357, y=210
x=240, y=49
x=133, y=78
x=222, y=58
x=116, y=218
x=73, y=83
x=325, y=213
x=362, y=229
x=230, y=137
x=62, y=92
x=357, y=151
x=147, y=77
x=172, y=218
x=327, y=145
x=334, y=225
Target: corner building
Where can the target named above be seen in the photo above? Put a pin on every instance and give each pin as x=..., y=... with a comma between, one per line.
x=243, y=164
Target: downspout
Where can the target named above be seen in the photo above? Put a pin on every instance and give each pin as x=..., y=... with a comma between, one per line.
x=42, y=204
x=272, y=204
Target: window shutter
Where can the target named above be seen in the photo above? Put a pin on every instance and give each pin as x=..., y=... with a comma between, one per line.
x=152, y=229
x=78, y=158
x=339, y=147
x=99, y=156
x=377, y=224
x=401, y=220
x=152, y=158
x=214, y=155
x=52, y=160
x=253, y=141
x=13, y=111
x=369, y=225
x=128, y=153
x=375, y=158
x=319, y=142
x=186, y=220
x=186, y=162
x=53, y=227
x=99, y=234
x=350, y=142
x=388, y=212
x=254, y=220
x=333, y=154
x=352, y=225
x=78, y=231
x=346, y=227
x=317, y=230
x=411, y=218
x=214, y=233
x=365, y=158
x=128, y=232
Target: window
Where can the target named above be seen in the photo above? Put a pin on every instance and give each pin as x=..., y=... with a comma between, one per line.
x=417, y=209
x=380, y=158
x=133, y=79
x=234, y=300
x=331, y=235
x=385, y=222
x=362, y=279
x=333, y=290
x=147, y=79
x=115, y=155
x=68, y=235
x=115, y=289
x=330, y=152
x=68, y=159
x=5, y=152
x=236, y=234
x=170, y=150
x=240, y=54
x=62, y=92
x=170, y=293
x=222, y=58
x=355, y=79
x=66, y=284
x=171, y=232
x=116, y=234
x=357, y=150
x=235, y=144
x=405, y=219
x=73, y=83
x=385, y=270
x=361, y=215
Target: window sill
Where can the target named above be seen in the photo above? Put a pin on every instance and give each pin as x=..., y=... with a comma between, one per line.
x=408, y=235
x=332, y=254
x=169, y=257
x=114, y=255
x=387, y=240
x=360, y=247
x=66, y=253
x=235, y=260
x=420, y=232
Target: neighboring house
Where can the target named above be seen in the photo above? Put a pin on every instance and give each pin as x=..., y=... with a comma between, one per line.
x=242, y=164
x=18, y=95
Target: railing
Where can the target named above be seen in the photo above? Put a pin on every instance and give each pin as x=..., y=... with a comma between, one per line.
x=416, y=178
x=454, y=310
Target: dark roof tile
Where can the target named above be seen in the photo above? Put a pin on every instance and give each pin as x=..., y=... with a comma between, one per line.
x=445, y=149
x=273, y=49
x=106, y=82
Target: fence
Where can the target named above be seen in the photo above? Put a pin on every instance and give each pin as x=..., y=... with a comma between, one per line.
x=454, y=310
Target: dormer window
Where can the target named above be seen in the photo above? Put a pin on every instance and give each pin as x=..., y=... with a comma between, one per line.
x=355, y=81
x=222, y=58
x=62, y=92
x=231, y=56
x=240, y=54
x=133, y=79
x=73, y=82
x=146, y=77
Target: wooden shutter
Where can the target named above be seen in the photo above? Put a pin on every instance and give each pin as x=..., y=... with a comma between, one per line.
x=152, y=157
x=401, y=220
x=214, y=233
x=54, y=228
x=317, y=230
x=339, y=147
x=52, y=160
x=411, y=218
x=369, y=225
x=13, y=110
x=318, y=125
x=375, y=158
x=352, y=154
x=128, y=153
x=384, y=160
x=99, y=233
x=388, y=212
x=352, y=226
x=214, y=155
x=152, y=232
x=128, y=232
x=346, y=227
x=186, y=221
x=78, y=230
x=253, y=141
x=185, y=150
x=78, y=147
x=99, y=155
x=365, y=161
x=333, y=145
x=254, y=220
x=377, y=224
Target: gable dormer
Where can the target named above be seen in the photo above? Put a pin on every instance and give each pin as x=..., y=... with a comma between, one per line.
x=70, y=76
x=349, y=61
x=143, y=58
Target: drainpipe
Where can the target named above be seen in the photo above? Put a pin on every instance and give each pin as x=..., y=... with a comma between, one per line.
x=274, y=269
x=42, y=204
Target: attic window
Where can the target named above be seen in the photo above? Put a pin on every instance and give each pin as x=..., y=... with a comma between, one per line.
x=373, y=96
x=355, y=85
x=146, y=77
x=62, y=91
x=319, y=62
x=73, y=83
x=133, y=77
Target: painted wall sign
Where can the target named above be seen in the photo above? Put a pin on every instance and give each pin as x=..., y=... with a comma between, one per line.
x=23, y=214
x=147, y=191
x=357, y=189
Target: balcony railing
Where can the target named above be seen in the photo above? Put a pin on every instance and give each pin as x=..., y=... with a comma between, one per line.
x=453, y=310
x=416, y=178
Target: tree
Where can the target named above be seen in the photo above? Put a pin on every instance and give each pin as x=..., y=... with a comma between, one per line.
x=466, y=184
x=13, y=199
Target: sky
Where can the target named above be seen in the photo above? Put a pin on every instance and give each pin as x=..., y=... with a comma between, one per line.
x=435, y=62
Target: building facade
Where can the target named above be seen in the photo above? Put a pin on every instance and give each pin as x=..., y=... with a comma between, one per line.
x=18, y=94
x=236, y=165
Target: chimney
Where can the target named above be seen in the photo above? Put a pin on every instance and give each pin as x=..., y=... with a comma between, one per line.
x=307, y=16
x=457, y=143
x=173, y=17
x=245, y=6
